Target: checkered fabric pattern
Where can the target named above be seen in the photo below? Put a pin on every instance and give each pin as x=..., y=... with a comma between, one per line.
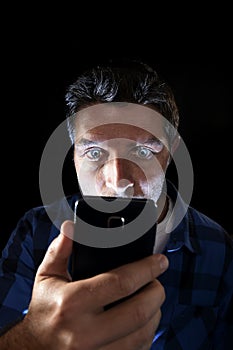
x=198, y=311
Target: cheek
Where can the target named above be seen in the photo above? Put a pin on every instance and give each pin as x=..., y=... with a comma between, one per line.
x=163, y=159
x=86, y=176
x=154, y=181
x=156, y=169
x=83, y=167
x=154, y=176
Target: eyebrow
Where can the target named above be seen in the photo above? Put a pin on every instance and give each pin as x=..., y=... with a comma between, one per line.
x=152, y=141
x=85, y=142
x=88, y=143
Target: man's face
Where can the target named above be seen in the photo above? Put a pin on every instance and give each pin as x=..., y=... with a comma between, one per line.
x=120, y=150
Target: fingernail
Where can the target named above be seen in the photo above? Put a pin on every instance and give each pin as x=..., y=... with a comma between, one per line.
x=67, y=229
x=163, y=262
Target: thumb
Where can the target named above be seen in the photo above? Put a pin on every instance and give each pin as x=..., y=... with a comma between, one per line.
x=55, y=262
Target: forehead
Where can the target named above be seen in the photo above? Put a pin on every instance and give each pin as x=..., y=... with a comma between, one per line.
x=118, y=119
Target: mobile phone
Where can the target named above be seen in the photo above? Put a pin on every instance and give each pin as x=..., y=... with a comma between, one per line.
x=110, y=232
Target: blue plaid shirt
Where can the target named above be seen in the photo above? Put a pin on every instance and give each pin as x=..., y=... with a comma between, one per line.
x=198, y=311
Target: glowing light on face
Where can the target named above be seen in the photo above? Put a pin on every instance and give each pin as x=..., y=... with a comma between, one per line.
x=117, y=155
x=124, y=188
x=155, y=188
x=119, y=166
x=125, y=152
x=136, y=181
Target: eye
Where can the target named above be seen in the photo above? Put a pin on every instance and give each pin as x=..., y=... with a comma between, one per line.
x=143, y=152
x=94, y=154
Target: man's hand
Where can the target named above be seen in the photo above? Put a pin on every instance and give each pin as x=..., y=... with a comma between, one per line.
x=67, y=315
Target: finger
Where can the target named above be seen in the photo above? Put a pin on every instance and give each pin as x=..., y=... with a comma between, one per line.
x=56, y=259
x=130, y=315
x=123, y=281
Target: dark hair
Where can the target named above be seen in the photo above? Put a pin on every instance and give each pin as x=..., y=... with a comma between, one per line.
x=128, y=81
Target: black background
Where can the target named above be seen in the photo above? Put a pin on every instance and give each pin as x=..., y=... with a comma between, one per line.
x=42, y=53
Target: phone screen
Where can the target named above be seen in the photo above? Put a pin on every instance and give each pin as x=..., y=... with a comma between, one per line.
x=110, y=232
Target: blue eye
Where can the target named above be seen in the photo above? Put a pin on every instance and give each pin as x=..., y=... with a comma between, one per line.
x=143, y=152
x=94, y=154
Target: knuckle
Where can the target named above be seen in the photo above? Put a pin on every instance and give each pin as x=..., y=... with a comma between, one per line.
x=123, y=283
x=141, y=315
x=162, y=293
x=160, y=290
x=66, y=301
x=61, y=310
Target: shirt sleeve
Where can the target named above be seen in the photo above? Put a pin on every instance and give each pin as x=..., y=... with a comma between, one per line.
x=17, y=273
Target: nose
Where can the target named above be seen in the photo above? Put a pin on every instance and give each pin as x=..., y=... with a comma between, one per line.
x=118, y=174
